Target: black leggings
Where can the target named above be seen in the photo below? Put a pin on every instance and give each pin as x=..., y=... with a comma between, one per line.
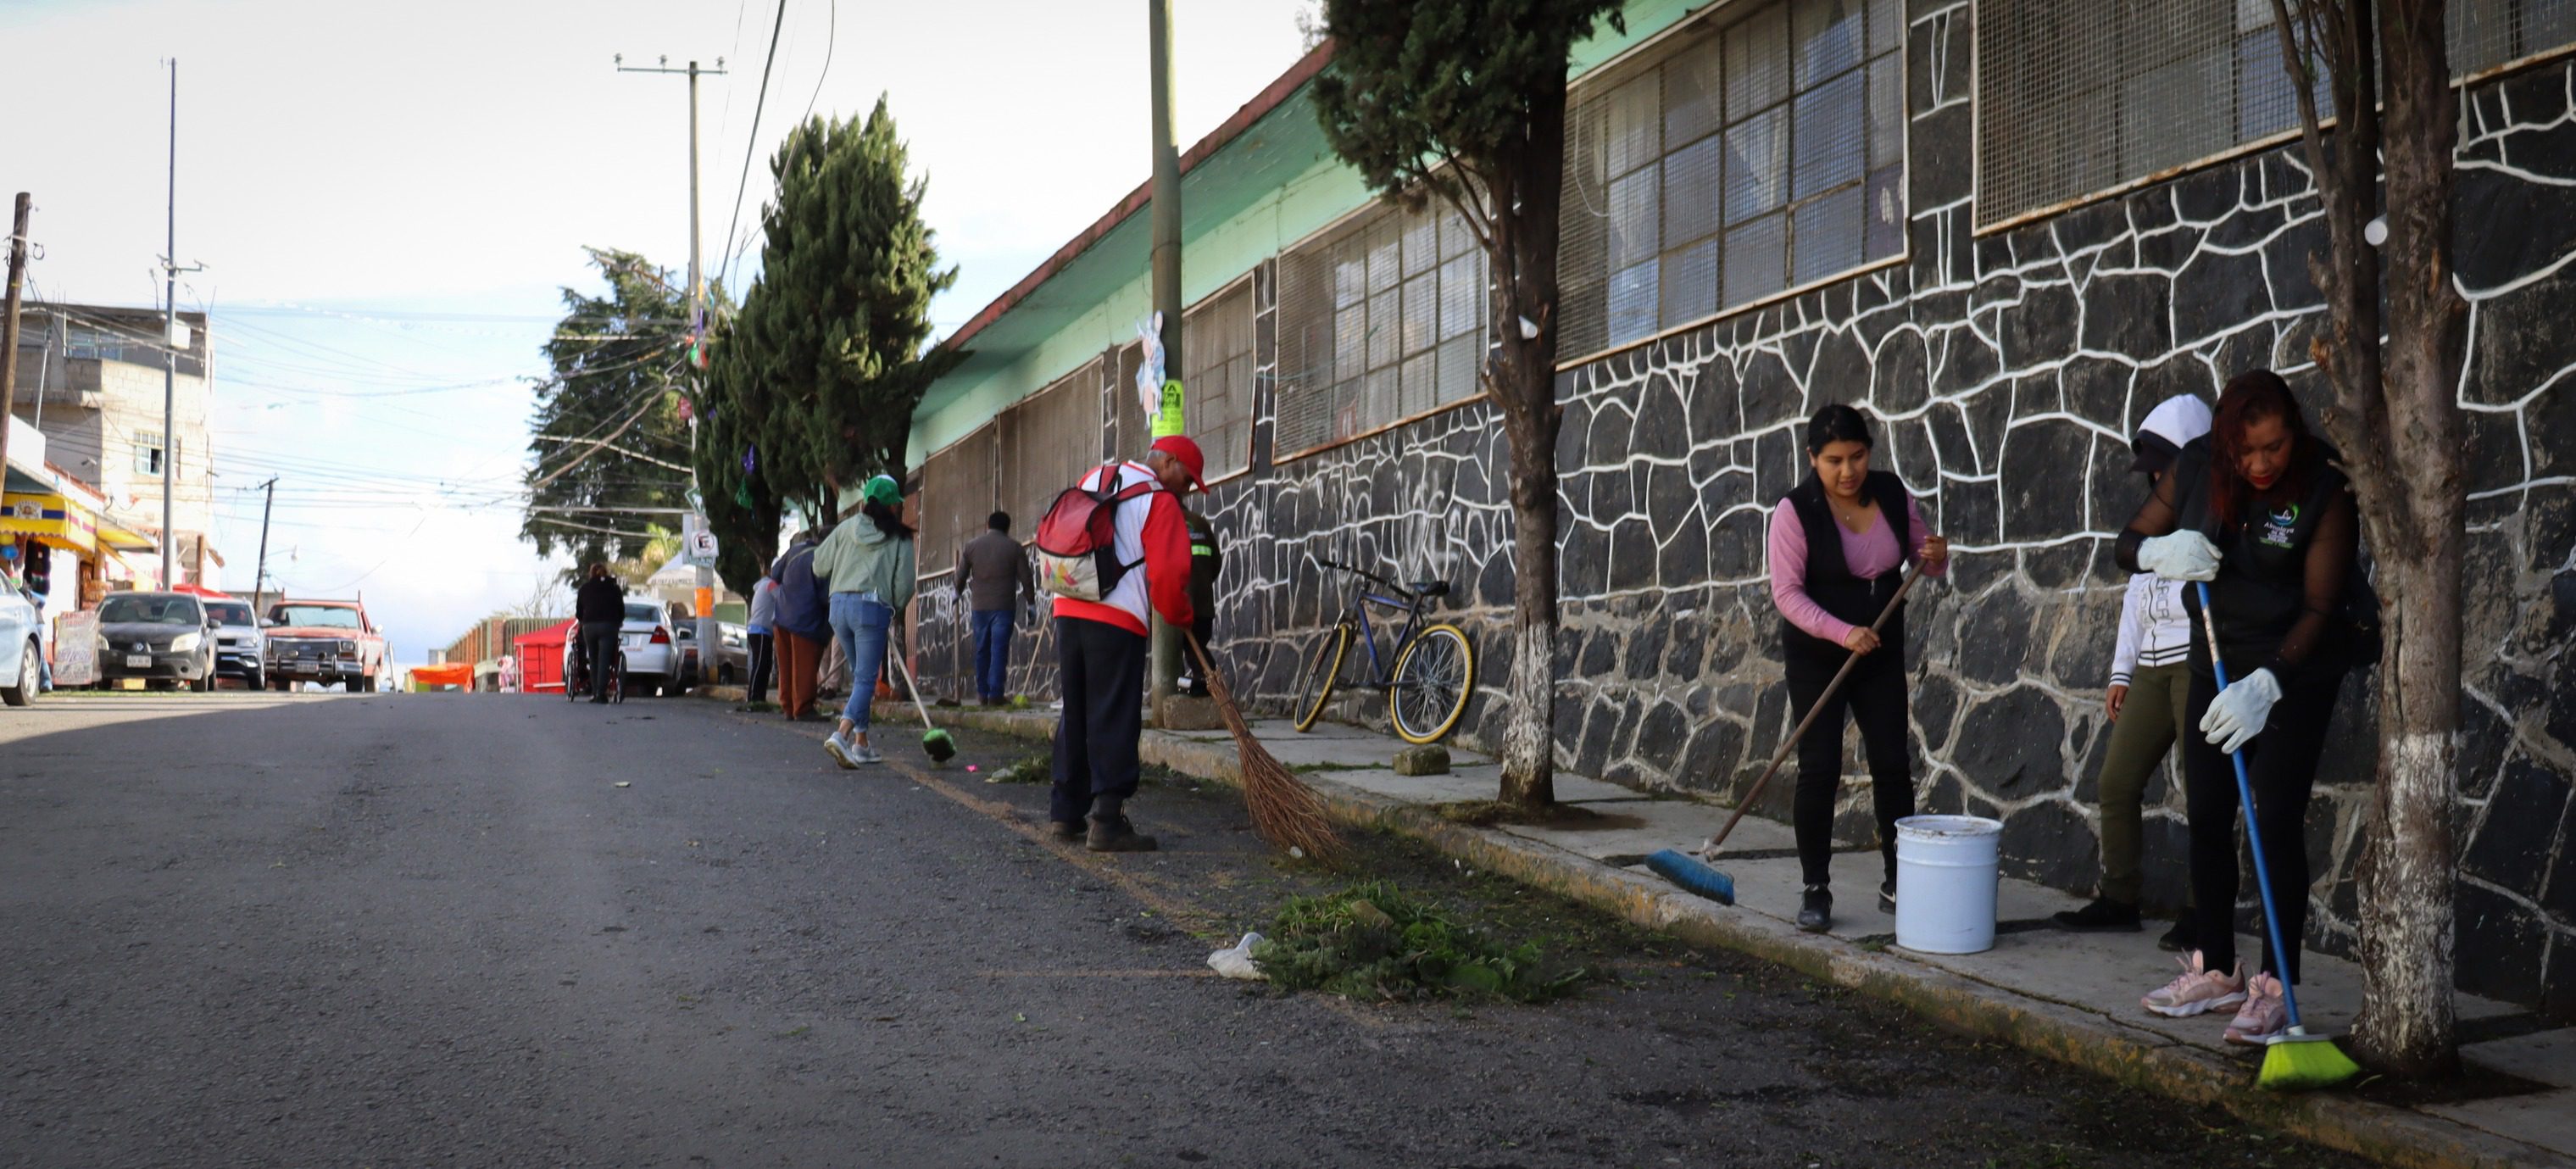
x=2281, y=767
x=1875, y=695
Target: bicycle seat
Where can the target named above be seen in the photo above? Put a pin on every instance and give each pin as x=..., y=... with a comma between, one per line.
x=1429, y=588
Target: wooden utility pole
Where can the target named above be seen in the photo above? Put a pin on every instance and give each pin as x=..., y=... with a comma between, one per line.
x=9, y=327
x=259, y=572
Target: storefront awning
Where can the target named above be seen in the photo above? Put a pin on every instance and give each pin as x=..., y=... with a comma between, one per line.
x=121, y=540
x=49, y=518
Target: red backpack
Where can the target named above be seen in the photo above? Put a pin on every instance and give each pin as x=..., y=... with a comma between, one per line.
x=1077, y=542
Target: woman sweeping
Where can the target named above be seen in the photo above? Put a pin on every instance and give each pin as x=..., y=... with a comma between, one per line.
x=868, y=561
x=2258, y=512
x=1837, y=543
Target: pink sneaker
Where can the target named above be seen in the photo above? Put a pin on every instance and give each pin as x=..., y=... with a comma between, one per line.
x=2195, y=991
x=2263, y=1017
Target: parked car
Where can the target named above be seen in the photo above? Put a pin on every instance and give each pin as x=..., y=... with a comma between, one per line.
x=240, y=648
x=158, y=637
x=22, y=654
x=733, y=656
x=324, y=642
x=653, y=660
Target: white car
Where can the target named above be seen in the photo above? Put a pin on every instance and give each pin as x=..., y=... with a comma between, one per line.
x=22, y=655
x=652, y=654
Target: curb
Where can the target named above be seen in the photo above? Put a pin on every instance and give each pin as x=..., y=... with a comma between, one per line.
x=2129, y=1056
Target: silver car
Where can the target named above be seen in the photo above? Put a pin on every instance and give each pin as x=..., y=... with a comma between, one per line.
x=22, y=653
x=240, y=647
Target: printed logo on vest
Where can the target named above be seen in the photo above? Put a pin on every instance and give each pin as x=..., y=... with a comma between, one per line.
x=2277, y=527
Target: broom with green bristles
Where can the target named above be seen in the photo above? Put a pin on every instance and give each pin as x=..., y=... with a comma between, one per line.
x=2293, y=1059
x=936, y=743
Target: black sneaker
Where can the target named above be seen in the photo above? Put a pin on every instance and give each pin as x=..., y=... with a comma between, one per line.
x=1116, y=835
x=1816, y=909
x=2182, y=938
x=2102, y=915
x=1066, y=830
x=1887, y=896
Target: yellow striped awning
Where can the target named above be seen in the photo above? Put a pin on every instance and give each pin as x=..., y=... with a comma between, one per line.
x=51, y=519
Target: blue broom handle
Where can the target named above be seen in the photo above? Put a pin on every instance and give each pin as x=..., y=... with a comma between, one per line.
x=2253, y=830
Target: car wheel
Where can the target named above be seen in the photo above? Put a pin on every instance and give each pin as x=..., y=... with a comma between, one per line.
x=29, y=662
x=254, y=680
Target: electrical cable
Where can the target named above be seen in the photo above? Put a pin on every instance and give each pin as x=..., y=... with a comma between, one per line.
x=735, y=223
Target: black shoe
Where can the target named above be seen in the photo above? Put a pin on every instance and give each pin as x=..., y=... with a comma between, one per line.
x=599, y=700
x=2182, y=938
x=1816, y=909
x=1116, y=835
x=1066, y=830
x=2102, y=915
x=1887, y=896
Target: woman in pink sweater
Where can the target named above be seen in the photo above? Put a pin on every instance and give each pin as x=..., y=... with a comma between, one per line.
x=1837, y=542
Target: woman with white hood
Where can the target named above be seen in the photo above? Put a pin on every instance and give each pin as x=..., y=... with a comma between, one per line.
x=2149, y=694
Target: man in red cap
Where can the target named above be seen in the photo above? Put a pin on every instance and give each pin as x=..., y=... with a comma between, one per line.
x=1101, y=647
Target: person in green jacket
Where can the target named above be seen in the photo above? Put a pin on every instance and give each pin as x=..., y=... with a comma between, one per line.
x=867, y=562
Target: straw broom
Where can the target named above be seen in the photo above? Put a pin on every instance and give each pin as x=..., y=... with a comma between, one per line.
x=1284, y=810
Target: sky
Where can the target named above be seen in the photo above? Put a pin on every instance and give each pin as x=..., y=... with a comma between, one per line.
x=388, y=199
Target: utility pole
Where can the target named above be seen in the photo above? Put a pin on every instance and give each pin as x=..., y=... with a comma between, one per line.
x=9, y=329
x=705, y=606
x=1167, y=277
x=259, y=574
x=170, y=270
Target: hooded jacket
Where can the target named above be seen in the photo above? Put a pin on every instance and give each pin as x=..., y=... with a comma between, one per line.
x=2155, y=628
x=858, y=557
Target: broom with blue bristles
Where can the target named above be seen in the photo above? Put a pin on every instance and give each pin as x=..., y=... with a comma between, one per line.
x=2293, y=1059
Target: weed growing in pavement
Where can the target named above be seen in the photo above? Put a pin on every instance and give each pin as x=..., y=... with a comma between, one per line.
x=1373, y=941
x=1030, y=769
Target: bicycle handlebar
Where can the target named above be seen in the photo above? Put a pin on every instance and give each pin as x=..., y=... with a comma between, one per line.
x=1361, y=571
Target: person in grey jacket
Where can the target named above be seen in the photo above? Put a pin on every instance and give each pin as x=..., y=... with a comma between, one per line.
x=993, y=575
x=868, y=564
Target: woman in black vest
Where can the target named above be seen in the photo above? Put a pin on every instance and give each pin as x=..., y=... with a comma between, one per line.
x=2257, y=510
x=1837, y=542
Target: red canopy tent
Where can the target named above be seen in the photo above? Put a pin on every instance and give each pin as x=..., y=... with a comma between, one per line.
x=198, y=590
x=541, y=659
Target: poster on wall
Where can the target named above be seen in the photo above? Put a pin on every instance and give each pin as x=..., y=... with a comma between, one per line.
x=76, y=649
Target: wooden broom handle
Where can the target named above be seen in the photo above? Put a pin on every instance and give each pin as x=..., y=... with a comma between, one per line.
x=1791, y=743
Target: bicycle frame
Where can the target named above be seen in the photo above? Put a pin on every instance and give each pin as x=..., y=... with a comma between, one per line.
x=1356, y=611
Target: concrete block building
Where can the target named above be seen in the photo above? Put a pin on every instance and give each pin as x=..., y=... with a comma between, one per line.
x=90, y=378
x=2008, y=228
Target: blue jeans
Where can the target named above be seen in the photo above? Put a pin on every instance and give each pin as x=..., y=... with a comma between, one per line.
x=992, y=653
x=860, y=625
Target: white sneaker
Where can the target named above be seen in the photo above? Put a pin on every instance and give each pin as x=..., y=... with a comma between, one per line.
x=863, y=753
x=2196, y=991
x=840, y=753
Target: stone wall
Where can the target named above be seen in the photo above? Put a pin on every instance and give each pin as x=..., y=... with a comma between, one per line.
x=2006, y=374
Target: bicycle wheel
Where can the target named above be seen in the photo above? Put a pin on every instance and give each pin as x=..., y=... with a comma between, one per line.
x=1315, y=684
x=617, y=682
x=1433, y=678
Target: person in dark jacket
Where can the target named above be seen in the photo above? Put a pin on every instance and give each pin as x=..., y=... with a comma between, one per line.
x=802, y=625
x=993, y=576
x=2258, y=512
x=1207, y=558
x=600, y=607
x=1837, y=543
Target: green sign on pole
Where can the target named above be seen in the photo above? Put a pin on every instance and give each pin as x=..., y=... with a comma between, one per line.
x=1167, y=421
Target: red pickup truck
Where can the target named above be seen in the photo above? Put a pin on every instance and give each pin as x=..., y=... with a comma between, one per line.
x=324, y=642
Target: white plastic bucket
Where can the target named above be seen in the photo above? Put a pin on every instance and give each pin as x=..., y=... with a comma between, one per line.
x=1945, y=883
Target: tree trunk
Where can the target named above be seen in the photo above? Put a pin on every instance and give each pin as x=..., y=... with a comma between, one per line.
x=1525, y=188
x=2409, y=858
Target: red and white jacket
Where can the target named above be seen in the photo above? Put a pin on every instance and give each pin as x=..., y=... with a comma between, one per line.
x=1153, y=536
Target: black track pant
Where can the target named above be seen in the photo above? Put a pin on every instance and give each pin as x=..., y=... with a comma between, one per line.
x=1100, y=672
x=599, y=653
x=1875, y=696
x=2281, y=767
x=761, y=648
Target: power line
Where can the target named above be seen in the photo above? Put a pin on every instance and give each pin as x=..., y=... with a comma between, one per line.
x=734, y=223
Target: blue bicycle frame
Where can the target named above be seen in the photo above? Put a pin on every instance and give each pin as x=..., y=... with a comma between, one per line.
x=1357, y=612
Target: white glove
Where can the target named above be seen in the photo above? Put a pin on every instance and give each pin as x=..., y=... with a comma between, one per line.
x=2184, y=555
x=2238, y=713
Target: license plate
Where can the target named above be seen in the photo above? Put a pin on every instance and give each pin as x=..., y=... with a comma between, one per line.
x=636, y=639
x=138, y=661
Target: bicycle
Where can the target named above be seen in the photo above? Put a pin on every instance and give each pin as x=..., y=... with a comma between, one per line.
x=577, y=676
x=1435, y=668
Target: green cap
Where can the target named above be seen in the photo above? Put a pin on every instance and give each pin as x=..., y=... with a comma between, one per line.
x=883, y=489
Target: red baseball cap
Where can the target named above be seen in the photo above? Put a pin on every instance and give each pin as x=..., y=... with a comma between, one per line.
x=1181, y=448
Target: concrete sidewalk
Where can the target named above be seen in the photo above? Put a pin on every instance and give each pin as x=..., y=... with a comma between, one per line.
x=2066, y=995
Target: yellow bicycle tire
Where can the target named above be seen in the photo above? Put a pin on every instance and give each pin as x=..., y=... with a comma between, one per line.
x=1466, y=687
x=1307, y=713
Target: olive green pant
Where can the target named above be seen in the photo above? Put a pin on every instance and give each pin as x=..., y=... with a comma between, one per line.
x=2150, y=718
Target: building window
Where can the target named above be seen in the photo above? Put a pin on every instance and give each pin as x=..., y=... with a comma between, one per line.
x=1734, y=162
x=2488, y=33
x=958, y=490
x=1216, y=349
x=147, y=453
x=1380, y=320
x=1048, y=440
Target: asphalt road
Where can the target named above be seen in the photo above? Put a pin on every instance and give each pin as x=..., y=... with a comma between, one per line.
x=414, y=930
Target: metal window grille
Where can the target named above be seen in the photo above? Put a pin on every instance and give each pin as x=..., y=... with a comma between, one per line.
x=1048, y=440
x=2075, y=99
x=958, y=488
x=1735, y=161
x=1216, y=348
x=1384, y=319
x=2488, y=33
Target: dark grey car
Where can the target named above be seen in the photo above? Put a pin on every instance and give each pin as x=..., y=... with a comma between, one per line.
x=158, y=637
